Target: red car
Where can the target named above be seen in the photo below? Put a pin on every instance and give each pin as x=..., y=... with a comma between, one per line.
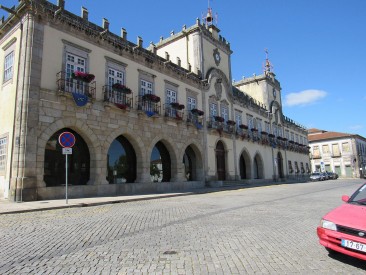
x=344, y=228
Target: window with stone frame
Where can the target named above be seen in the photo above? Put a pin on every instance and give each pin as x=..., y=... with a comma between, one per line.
x=292, y=136
x=213, y=109
x=116, y=72
x=345, y=147
x=287, y=134
x=3, y=154
x=146, y=87
x=76, y=58
x=250, y=121
x=325, y=149
x=259, y=125
x=146, y=83
x=9, y=57
x=238, y=118
x=290, y=168
x=224, y=111
x=191, y=103
x=335, y=149
x=8, y=66
x=316, y=151
x=191, y=100
x=267, y=127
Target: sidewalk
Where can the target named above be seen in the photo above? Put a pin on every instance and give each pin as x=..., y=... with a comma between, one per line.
x=8, y=207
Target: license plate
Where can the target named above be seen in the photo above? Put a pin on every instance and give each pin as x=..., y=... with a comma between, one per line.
x=354, y=245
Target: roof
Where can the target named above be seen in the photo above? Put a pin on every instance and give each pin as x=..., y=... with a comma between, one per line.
x=318, y=134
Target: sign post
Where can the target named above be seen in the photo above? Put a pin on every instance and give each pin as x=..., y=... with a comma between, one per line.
x=67, y=141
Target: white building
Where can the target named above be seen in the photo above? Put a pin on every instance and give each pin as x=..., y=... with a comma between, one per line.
x=344, y=154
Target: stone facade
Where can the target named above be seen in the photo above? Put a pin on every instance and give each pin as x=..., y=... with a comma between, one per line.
x=228, y=141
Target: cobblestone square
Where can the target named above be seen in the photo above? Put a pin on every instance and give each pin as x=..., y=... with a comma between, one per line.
x=262, y=230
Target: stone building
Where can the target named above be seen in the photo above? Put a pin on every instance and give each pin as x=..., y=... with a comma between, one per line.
x=166, y=117
x=342, y=153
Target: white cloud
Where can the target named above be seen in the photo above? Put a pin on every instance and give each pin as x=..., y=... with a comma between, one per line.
x=306, y=97
x=355, y=127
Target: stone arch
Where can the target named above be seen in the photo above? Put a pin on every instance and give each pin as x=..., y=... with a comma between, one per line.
x=167, y=142
x=84, y=131
x=245, y=165
x=192, y=161
x=258, y=166
x=278, y=110
x=142, y=169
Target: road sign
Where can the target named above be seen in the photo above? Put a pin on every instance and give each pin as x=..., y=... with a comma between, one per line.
x=67, y=151
x=66, y=139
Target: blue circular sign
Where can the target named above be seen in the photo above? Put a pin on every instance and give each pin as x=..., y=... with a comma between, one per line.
x=66, y=139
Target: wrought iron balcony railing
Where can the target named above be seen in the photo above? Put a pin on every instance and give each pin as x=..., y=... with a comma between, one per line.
x=121, y=99
x=172, y=112
x=147, y=105
x=70, y=85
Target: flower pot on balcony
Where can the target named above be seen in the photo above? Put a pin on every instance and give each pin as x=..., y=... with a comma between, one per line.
x=85, y=77
x=219, y=119
x=121, y=88
x=151, y=97
x=197, y=112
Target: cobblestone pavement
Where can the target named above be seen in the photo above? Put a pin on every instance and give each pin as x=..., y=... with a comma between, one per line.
x=263, y=230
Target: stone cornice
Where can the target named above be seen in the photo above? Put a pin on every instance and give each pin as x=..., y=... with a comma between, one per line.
x=80, y=28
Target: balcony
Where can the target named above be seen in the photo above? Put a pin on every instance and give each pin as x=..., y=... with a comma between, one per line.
x=78, y=86
x=150, y=104
x=121, y=98
x=336, y=155
x=196, y=119
x=174, y=111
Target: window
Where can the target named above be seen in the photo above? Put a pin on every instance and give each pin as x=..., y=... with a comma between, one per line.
x=268, y=130
x=345, y=147
x=326, y=149
x=3, y=146
x=146, y=87
x=335, y=149
x=250, y=121
x=191, y=103
x=316, y=152
x=8, y=66
x=171, y=96
x=225, y=112
x=115, y=76
x=238, y=119
x=213, y=109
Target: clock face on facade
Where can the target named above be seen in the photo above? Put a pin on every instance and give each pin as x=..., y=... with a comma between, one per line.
x=217, y=57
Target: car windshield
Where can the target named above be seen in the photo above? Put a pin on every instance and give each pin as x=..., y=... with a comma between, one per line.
x=315, y=174
x=359, y=196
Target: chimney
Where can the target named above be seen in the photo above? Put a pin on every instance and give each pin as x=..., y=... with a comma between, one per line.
x=61, y=4
x=84, y=13
x=139, y=41
x=124, y=33
x=105, y=24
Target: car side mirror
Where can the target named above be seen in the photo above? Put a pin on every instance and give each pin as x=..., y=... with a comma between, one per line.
x=345, y=198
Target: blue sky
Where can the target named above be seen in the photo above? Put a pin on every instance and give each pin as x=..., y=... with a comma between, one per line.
x=317, y=47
